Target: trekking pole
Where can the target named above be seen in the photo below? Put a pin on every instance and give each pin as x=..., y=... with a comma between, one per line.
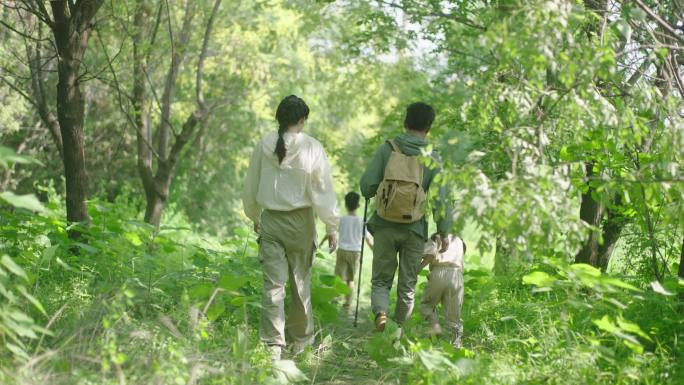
x=363, y=243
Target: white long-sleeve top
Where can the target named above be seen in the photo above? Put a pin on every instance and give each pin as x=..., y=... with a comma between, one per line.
x=302, y=180
x=452, y=257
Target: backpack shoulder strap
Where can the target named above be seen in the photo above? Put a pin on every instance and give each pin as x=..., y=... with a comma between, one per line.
x=394, y=145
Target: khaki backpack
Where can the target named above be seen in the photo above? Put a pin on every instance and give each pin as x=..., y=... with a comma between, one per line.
x=401, y=198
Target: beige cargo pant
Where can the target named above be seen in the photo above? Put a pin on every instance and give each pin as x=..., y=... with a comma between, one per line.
x=446, y=287
x=409, y=245
x=286, y=250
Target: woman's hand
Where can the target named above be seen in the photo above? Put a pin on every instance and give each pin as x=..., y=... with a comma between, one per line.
x=332, y=242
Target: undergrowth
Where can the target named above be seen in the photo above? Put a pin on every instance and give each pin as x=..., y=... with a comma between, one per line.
x=126, y=304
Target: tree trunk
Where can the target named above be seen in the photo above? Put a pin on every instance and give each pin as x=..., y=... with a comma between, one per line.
x=71, y=29
x=506, y=259
x=612, y=228
x=590, y=212
x=154, y=210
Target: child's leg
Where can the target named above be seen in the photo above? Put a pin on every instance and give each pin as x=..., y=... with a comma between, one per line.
x=348, y=298
x=451, y=306
x=353, y=265
x=431, y=297
x=340, y=266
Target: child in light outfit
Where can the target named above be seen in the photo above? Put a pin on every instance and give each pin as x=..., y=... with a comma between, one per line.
x=445, y=286
x=349, y=246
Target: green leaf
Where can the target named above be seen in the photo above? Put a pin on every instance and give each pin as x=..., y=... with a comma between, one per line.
x=242, y=300
x=8, y=156
x=87, y=248
x=582, y=269
x=32, y=299
x=48, y=254
x=624, y=28
x=606, y=324
x=17, y=350
x=242, y=232
x=133, y=238
x=324, y=294
x=28, y=202
x=538, y=278
x=64, y=264
x=327, y=279
x=200, y=291
x=215, y=310
x=13, y=267
x=233, y=282
x=636, y=348
x=632, y=328
x=618, y=283
x=200, y=260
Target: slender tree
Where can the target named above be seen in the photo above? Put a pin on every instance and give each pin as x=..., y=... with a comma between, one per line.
x=157, y=183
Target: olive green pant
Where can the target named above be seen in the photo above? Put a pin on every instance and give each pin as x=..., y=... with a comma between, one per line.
x=286, y=250
x=409, y=246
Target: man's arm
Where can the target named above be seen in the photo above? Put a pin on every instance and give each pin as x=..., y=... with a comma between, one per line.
x=443, y=214
x=374, y=172
x=369, y=240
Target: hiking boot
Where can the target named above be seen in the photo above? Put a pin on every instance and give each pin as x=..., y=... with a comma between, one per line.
x=434, y=330
x=456, y=341
x=380, y=321
x=274, y=352
x=299, y=347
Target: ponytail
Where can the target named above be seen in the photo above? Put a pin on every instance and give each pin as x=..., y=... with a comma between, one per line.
x=280, y=149
x=290, y=111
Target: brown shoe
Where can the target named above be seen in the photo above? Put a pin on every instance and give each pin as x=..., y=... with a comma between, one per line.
x=380, y=321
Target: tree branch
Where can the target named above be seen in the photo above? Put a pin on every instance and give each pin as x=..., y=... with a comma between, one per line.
x=117, y=88
x=22, y=34
x=177, y=57
x=167, y=167
x=41, y=12
x=672, y=32
x=38, y=87
x=203, y=55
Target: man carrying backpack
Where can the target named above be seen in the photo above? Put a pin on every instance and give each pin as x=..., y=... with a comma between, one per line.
x=400, y=183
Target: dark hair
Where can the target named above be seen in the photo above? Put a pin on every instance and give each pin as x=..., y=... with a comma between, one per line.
x=290, y=111
x=434, y=238
x=351, y=201
x=419, y=117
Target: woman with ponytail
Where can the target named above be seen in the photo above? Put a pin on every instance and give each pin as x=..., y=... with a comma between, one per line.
x=287, y=184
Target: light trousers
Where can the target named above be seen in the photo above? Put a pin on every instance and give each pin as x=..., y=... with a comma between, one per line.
x=286, y=250
x=446, y=287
